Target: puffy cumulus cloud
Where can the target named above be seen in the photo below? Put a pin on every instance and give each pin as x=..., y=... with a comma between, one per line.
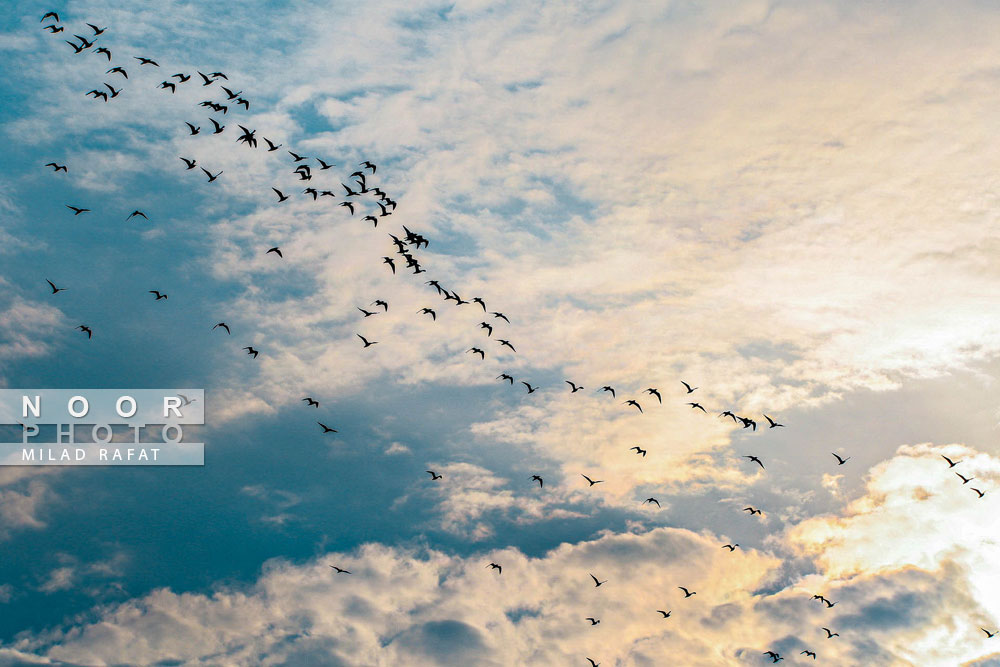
x=471, y=501
x=913, y=557
x=25, y=327
x=22, y=504
x=922, y=605
x=426, y=608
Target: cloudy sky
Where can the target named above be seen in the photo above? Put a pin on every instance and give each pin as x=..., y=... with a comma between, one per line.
x=790, y=206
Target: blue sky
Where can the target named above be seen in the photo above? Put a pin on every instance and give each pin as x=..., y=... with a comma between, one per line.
x=789, y=207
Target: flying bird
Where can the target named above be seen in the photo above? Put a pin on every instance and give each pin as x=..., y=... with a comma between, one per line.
x=271, y=146
x=117, y=70
x=339, y=570
x=224, y=326
x=392, y=265
x=607, y=388
x=572, y=387
x=633, y=402
x=654, y=392
x=310, y=401
x=211, y=178
x=168, y=85
x=76, y=210
x=978, y=492
x=194, y=130
x=755, y=460
x=157, y=294
x=536, y=478
x=489, y=329
x=592, y=482
x=773, y=424
x=500, y=316
x=367, y=313
x=368, y=165
x=965, y=480
x=55, y=290
x=830, y=634
x=276, y=250
x=434, y=475
x=349, y=205
x=191, y=164
x=57, y=167
x=808, y=653
x=989, y=635
x=281, y=197
x=50, y=15
x=476, y=350
x=840, y=461
x=252, y=352
x=297, y=158
x=218, y=128
x=687, y=593
x=651, y=501
x=495, y=567
x=666, y=614
x=366, y=341
x=53, y=28
x=597, y=582
x=428, y=311
x=951, y=464
x=731, y=547
x=752, y=510
x=531, y=390
x=146, y=61
x=593, y=621
x=688, y=387
x=84, y=328
x=183, y=78
x=380, y=302
x=327, y=429
x=504, y=376
x=136, y=213
x=697, y=406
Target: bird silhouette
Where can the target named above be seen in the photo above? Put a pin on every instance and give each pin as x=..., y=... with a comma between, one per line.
x=633, y=402
x=366, y=341
x=755, y=460
x=85, y=329
x=536, y=478
x=951, y=464
x=252, y=352
x=572, y=387
x=752, y=510
x=136, y=214
x=593, y=621
x=773, y=424
x=428, y=311
x=339, y=570
x=495, y=567
x=224, y=326
x=731, y=547
x=276, y=250
x=651, y=501
x=809, y=654
x=831, y=634
x=76, y=210
x=310, y=401
x=327, y=429
x=57, y=167
x=697, y=406
x=476, y=350
x=978, y=492
x=55, y=290
x=965, y=480
x=597, y=582
x=689, y=388
x=840, y=461
x=504, y=376
x=687, y=593
x=434, y=475
x=157, y=294
x=989, y=635
x=607, y=388
x=654, y=392
x=592, y=482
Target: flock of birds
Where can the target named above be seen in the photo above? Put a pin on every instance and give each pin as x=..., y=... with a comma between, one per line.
x=361, y=195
